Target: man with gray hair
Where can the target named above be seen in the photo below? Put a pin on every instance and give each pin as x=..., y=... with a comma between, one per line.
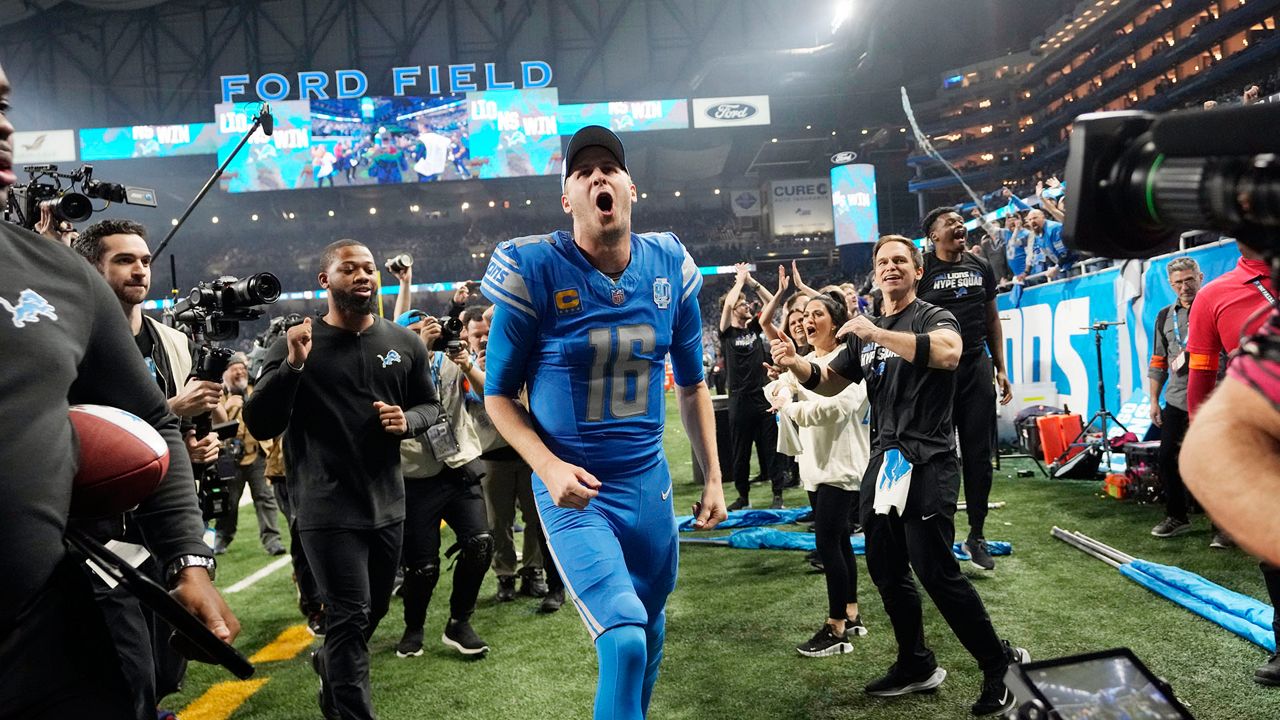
x=1168, y=372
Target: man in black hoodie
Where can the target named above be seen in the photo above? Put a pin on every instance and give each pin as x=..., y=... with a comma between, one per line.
x=345, y=389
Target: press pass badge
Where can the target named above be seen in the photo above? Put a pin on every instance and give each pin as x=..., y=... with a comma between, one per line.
x=443, y=443
x=893, y=482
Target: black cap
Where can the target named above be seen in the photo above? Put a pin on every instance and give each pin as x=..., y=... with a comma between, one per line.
x=585, y=138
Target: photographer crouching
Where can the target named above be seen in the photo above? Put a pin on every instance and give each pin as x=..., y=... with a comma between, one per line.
x=442, y=482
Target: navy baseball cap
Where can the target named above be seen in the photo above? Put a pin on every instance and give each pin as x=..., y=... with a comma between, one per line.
x=410, y=317
x=585, y=138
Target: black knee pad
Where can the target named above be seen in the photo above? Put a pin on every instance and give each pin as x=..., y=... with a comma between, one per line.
x=478, y=549
x=428, y=573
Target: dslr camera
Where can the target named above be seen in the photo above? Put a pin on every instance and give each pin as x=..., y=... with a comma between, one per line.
x=45, y=189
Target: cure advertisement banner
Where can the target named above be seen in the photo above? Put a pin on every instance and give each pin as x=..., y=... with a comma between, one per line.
x=801, y=206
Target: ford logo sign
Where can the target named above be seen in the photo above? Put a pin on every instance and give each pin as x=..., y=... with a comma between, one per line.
x=844, y=157
x=731, y=111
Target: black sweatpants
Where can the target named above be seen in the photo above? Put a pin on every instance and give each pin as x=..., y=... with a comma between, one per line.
x=896, y=545
x=831, y=524
x=1271, y=574
x=58, y=658
x=974, y=415
x=355, y=570
x=456, y=498
x=309, y=598
x=749, y=425
x=1173, y=428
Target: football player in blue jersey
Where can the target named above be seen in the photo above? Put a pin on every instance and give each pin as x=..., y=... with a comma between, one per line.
x=585, y=320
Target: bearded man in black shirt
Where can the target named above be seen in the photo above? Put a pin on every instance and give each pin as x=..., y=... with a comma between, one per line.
x=965, y=284
x=345, y=389
x=907, y=357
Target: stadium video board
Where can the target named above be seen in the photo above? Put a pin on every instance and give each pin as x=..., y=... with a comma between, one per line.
x=275, y=162
x=514, y=133
x=148, y=141
x=626, y=116
x=387, y=140
x=853, y=203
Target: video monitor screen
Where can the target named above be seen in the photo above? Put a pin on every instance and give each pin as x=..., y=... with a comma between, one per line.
x=1110, y=688
x=281, y=161
x=853, y=203
x=626, y=116
x=388, y=140
x=148, y=141
x=515, y=133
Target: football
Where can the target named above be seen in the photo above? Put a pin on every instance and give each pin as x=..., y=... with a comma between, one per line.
x=122, y=460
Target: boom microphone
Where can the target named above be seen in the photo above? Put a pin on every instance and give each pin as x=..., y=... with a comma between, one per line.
x=266, y=120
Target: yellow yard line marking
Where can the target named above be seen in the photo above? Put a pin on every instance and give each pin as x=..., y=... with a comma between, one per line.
x=286, y=646
x=219, y=701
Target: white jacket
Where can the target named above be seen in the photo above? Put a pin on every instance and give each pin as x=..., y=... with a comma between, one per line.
x=833, y=442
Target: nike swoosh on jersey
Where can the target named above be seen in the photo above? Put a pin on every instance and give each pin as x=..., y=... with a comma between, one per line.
x=667, y=493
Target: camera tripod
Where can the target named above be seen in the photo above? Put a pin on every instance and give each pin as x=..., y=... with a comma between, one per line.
x=1103, y=415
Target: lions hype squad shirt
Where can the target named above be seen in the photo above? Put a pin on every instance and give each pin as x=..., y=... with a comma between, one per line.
x=963, y=287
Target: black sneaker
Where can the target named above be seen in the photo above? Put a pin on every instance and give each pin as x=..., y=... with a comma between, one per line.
x=854, y=628
x=532, y=583
x=1221, y=541
x=740, y=504
x=459, y=635
x=996, y=696
x=815, y=561
x=506, y=588
x=896, y=683
x=979, y=556
x=410, y=644
x=777, y=503
x=327, y=709
x=275, y=549
x=316, y=623
x=825, y=643
x=552, y=602
x=1171, y=527
x=1268, y=674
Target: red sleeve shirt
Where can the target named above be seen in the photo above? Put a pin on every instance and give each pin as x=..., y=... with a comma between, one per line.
x=1218, y=318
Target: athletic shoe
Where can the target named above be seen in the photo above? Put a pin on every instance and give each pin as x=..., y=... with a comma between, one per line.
x=410, y=644
x=552, y=602
x=327, y=709
x=777, y=503
x=825, y=643
x=397, y=586
x=740, y=504
x=532, y=583
x=815, y=561
x=996, y=696
x=896, y=682
x=854, y=628
x=1221, y=541
x=979, y=556
x=1171, y=527
x=1268, y=674
x=506, y=588
x=316, y=623
x=220, y=546
x=275, y=549
x=459, y=636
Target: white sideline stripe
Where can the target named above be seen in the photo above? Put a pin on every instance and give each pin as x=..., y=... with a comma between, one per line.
x=259, y=575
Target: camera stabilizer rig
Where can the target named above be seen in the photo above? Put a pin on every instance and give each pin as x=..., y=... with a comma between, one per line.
x=213, y=311
x=65, y=204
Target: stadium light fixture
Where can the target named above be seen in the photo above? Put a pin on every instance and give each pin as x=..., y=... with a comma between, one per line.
x=774, y=140
x=373, y=211
x=843, y=13
x=173, y=221
x=331, y=213
x=643, y=196
x=808, y=127
x=292, y=216
x=717, y=191
x=527, y=201
x=465, y=206
x=677, y=193
x=865, y=131
x=492, y=203
x=214, y=219
x=254, y=217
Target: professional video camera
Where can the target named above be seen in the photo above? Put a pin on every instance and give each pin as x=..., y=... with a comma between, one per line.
x=450, y=333
x=1137, y=180
x=67, y=205
x=213, y=311
x=1108, y=684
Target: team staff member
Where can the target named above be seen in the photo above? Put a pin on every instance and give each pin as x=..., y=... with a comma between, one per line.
x=63, y=341
x=1169, y=364
x=750, y=421
x=907, y=356
x=585, y=320
x=965, y=285
x=345, y=389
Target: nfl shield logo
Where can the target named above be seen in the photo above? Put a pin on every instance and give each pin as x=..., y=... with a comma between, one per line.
x=618, y=296
x=662, y=293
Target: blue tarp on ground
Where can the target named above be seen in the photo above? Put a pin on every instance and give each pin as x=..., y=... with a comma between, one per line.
x=750, y=518
x=772, y=539
x=1238, y=613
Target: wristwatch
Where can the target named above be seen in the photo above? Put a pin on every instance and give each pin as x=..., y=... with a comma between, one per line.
x=182, y=562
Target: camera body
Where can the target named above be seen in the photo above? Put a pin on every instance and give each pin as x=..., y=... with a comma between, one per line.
x=450, y=334
x=45, y=189
x=215, y=309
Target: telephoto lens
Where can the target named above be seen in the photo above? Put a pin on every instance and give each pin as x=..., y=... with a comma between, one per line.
x=399, y=263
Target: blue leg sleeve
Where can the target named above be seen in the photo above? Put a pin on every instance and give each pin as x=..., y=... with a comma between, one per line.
x=655, y=635
x=622, y=651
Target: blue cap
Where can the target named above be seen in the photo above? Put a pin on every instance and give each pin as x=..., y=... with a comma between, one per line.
x=410, y=317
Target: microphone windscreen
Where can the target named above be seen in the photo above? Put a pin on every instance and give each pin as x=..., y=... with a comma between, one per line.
x=268, y=122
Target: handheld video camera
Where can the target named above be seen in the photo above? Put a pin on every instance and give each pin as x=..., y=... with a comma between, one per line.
x=1137, y=180
x=67, y=205
x=450, y=334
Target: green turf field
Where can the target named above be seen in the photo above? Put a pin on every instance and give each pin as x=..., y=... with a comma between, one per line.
x=736, y=616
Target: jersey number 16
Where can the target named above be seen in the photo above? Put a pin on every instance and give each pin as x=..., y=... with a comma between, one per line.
x=616, y=364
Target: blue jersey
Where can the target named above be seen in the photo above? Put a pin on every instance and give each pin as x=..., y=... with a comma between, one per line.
x=592, y=350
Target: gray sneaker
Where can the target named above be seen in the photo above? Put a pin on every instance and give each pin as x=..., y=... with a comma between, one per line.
x=1171, y=527
x=979, y=556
